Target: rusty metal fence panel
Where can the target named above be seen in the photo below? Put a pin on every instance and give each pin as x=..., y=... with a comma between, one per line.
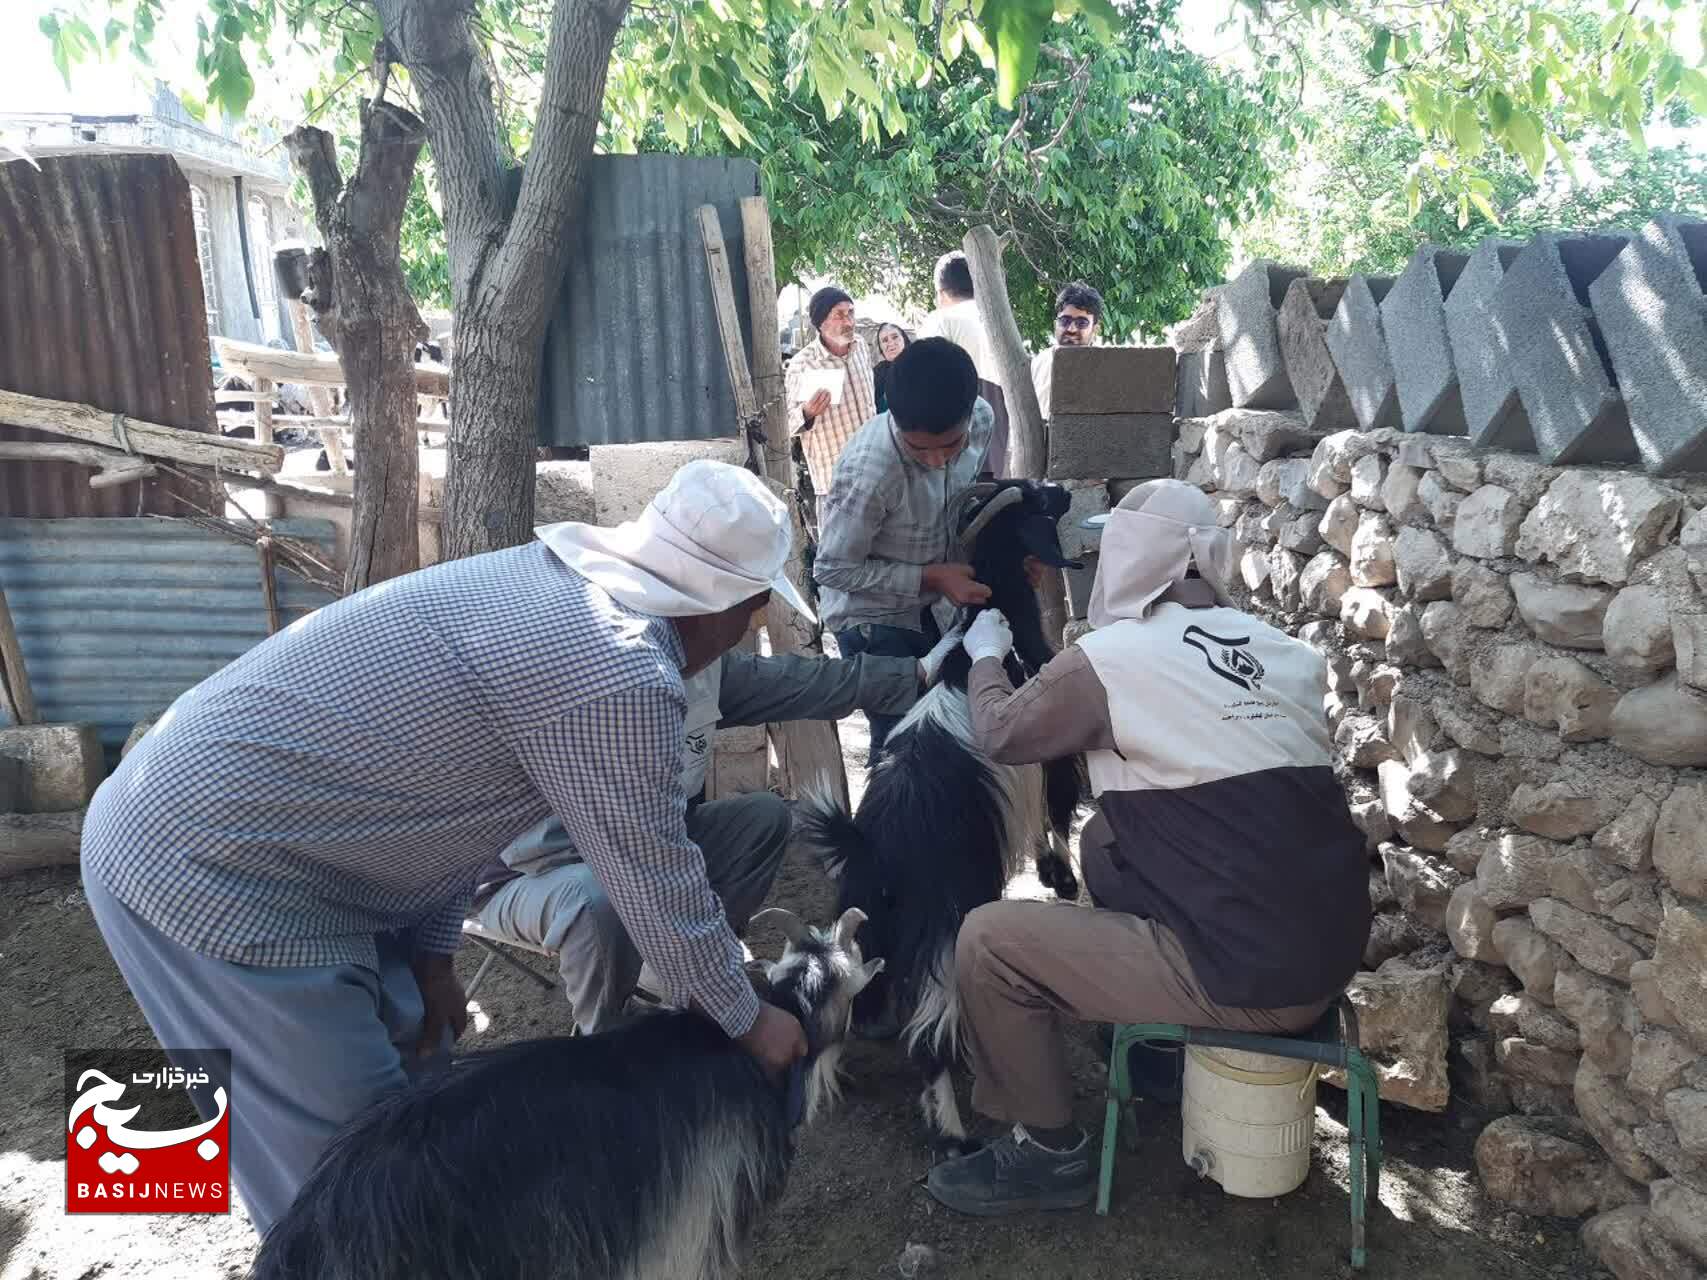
x=100, y=302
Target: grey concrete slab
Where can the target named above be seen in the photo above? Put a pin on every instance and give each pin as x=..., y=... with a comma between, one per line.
x=1413, y=317
x=1558, y=358
x=1201, y=389
x=1309, y=305
x=1481, y=351
x=1097, y=446
x=1112, y=380
x=1359, y=349
x=1246, y=313
x=1651, y=304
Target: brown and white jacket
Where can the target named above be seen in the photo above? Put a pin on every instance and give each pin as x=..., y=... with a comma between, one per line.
x=1220, y=817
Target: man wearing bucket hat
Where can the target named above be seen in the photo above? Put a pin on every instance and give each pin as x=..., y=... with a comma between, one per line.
x=282, y=866
x=1230, y=885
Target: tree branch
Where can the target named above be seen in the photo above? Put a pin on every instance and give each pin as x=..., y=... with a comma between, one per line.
x=315, y=156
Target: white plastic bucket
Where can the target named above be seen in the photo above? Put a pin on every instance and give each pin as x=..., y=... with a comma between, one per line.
x=1248, y=1120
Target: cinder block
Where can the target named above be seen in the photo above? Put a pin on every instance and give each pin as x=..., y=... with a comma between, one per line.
x=1558, y=358
x=1112, y=380
x=1481, y=351
x=1413, y=318
x=1653, y=316
x=1246, y=313
x=62, y=764
x=1360, y=352
x=1089, y=498
x=1201, y=388
x=1079, y=583
x=1304, y=315
x=628, y=476
x=14, y=785
x=1096, y=446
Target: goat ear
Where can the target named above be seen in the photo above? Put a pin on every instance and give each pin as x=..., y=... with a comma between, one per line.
x=848, y=925
x=864, y=974
x=792, y=926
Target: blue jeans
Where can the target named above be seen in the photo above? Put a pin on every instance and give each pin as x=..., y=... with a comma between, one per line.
x=887, y=642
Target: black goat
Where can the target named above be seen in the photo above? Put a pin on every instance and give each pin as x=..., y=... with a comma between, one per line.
x=645, y=1153
x=942, y=827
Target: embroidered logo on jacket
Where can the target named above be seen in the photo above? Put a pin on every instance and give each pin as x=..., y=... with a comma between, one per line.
x=1229, y=659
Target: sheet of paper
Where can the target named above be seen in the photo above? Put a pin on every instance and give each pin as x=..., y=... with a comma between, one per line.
x=832, y=380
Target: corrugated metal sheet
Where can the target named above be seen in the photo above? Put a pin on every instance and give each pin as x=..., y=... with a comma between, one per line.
x=632, y=352
x=100, y=302
x=117, y=617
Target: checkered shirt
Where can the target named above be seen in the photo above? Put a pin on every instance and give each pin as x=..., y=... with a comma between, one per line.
x=832, y=429
x=352, y=774
x=885, y=518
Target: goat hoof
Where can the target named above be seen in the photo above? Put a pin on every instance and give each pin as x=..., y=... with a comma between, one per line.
x=1053, y=872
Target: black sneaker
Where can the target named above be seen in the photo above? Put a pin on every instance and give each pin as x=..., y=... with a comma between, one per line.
x=1014, y=1174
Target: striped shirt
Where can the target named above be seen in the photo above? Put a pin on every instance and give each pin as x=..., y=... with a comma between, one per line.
x=351, y=775
x=884, y=519
x=832, y=429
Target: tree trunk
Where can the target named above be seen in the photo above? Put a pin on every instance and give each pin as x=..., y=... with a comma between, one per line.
x=506, y=266
x=1026, y=437
x=365, y=311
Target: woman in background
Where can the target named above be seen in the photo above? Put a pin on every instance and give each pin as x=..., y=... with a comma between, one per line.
x=892, y=340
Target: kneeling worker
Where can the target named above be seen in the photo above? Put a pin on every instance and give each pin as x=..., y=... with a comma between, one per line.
x=1231, y=887
x=542, y=893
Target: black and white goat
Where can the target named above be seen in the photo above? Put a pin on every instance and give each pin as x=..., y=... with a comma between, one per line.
x=644, y=1153
x=942, y=828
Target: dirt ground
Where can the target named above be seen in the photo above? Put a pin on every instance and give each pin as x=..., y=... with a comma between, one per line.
x=855, y=1199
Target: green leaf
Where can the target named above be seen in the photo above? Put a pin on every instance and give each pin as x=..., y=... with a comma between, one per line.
x=115, y=32
x=1538, y=85
x=1467, y=130
x=1633, y=122
x=1463, y=209
x=1377, y=56
x=1524, y=134
x=1413, y=194
x=1692, y=84
x=831, y=84
x=676, y=126
x=1499, y=111
x=1485, y=207
x=1102, y=15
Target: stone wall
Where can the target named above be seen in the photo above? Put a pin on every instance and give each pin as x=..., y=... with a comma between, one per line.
x=1518, y=673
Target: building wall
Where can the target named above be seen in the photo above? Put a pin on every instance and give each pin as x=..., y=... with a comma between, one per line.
x=236, y=318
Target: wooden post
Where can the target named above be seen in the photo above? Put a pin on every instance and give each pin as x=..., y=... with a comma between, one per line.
x=263, y=411
x=20, y=698
x=806, y=750
x=319, y=399
x=1027, y=442
x=269, y=587
x=729, y=327
x=118, y=430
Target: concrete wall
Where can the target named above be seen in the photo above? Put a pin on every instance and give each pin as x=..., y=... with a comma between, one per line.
x=231, y=290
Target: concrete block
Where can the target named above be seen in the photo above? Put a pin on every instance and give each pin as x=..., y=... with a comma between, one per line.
x=1112, y=380
x=1360, y=352
x=14, y=783
x=1078, y=583
x=1246, y=313
x=30, y=840
x=628, y=476
x=563, y=491
x=62, y=764
x=1096, y=446
x=1558, y=358
x=1200, y=384
x=1413, y=316
x=1309, y=305
x=1086, y=499
x=1481, y=351
x=1653, y=316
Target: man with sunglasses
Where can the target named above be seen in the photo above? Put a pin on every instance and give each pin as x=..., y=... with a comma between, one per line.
x=1078, y=318
x=886, y=555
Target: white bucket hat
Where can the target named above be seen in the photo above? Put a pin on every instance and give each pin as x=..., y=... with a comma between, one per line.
x=713, y=537
x=1160, y=531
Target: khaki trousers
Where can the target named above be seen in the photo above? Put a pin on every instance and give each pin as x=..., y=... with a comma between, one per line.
x=1023, y=967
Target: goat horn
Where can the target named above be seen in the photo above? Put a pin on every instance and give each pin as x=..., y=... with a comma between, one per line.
x=964, y=498
x=848, y=925
x=792, y=926
x=996, y=505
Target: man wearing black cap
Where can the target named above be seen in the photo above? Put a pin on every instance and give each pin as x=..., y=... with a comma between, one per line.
x=829, y=386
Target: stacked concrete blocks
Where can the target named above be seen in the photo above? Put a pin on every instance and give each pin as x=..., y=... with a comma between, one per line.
x=1413, y=317
x=1558, y=358
x=1201, y=382
x=1309, y=306
x=1360, y=352
x=1651, y=304
x=1246, y=314
x=1481, y=351
x=1112, y=413
x=48, y=775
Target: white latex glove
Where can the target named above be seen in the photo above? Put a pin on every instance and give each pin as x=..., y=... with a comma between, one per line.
x=932, y=662
x=989, y=636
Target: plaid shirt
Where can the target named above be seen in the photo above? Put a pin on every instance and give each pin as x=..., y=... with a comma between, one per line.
x=885, y=518
x=351, y=775
x=832, y=429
